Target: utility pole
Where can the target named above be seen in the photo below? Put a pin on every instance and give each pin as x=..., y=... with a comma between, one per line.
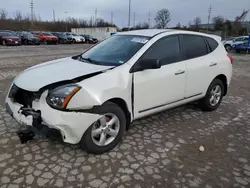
x=129, y=14
x=209, y=16
x=112, y=17
x=32, y=10
x=96, y=16
x=149, y=19
x=134, y=20
x=66, y=23
x=54, y=15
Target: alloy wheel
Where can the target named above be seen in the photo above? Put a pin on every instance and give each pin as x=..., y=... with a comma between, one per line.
x=215, y=95
x=105, y=130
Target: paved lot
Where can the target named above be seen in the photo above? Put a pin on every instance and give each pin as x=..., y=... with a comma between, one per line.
x=158, y=151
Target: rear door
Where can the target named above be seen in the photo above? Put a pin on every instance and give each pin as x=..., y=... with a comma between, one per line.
x=200, y=65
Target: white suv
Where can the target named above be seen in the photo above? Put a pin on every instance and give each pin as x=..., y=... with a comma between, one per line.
x=92, y=98
x=76, y=38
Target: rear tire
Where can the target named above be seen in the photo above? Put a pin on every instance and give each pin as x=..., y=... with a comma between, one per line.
x=213, y=96
x=44, y=41
x=228, y=47
x=90, y=142
x=4, y=43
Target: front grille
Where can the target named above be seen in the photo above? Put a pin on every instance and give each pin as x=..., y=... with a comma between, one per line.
x=22, y=96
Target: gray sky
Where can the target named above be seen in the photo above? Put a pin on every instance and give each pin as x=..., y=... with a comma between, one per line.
x=181, y=10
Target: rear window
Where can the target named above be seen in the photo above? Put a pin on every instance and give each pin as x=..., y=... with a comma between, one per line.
x=194, y=46
x=212, y=43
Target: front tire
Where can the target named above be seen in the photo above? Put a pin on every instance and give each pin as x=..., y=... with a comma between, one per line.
x=104, y=134
x=213, y=96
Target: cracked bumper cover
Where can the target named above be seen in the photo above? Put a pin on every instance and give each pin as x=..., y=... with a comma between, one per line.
x=72, y=125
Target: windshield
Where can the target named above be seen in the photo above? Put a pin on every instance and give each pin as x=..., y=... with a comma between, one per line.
x=74, y=34
x=115, y=50
x=47, y=34
x=6, y=34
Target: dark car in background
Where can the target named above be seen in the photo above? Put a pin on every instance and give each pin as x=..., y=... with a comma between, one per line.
x=62, y=38
x=90, y=39
x=28, y=38
x=7, y=38
x=244, y=47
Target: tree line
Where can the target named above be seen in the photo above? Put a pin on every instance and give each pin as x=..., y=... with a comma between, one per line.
x=20, y=22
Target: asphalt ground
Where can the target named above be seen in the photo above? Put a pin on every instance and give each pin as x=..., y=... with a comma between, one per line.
x=158, y=151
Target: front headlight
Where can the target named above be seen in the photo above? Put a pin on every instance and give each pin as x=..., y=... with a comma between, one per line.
x=60, y=97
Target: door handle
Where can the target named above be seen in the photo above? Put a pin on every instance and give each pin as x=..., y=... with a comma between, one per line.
x=180, y=72
x=212, y=64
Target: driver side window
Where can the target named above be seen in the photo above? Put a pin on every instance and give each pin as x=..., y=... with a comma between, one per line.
x=167, y=50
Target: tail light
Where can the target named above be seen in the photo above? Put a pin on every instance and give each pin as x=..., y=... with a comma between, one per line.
x=231, y=58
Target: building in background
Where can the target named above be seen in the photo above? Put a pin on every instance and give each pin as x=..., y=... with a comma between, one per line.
x=98, y=32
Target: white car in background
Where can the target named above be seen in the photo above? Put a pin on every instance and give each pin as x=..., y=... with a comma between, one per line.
x=91, y=98
x=76, y=38
x=228, y=44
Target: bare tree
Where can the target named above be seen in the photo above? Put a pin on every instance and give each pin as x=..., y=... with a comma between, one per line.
x=219, y=22
x=162, y=18
x=197, y=22
x=18, y=16
x=143, y=25
x=3, y=14
x=178, y=25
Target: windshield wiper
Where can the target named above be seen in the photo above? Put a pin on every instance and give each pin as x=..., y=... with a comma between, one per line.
x=89, y=60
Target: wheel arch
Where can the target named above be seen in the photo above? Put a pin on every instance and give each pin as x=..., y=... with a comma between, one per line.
x=123, y=105
x=223, y=78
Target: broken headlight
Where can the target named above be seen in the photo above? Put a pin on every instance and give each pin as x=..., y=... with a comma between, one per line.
x=59, y=97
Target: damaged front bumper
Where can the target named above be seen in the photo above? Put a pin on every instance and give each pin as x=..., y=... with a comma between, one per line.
x=71, y=125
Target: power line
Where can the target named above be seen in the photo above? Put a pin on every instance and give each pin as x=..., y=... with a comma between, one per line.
x=112, y=17
x=134, y=20
x=32, y=10
x=96, y=16
x=129, y=13
x=149, y=19
x=209, y=14
x=54, y=15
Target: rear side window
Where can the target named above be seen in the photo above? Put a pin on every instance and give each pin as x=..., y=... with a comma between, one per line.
x=212, y=43
x=194, y=46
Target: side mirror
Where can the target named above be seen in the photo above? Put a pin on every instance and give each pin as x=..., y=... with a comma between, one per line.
x=145, y=64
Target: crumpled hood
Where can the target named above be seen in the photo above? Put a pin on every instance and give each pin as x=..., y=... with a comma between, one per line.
x=36, y=77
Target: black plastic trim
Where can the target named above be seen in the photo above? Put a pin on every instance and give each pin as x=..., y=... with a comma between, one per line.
x=168, y=103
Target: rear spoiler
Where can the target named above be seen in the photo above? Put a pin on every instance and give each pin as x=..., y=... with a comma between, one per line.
x=216, y=37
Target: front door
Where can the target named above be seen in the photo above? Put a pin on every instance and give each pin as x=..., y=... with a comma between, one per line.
x=156, y=88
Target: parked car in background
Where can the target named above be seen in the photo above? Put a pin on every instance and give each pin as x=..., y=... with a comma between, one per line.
x=10, y=31
x=45, y=37
x=29, y=38
x=228, y=44
x=76, y=38
x=7, y=38
x=91, y=98
x=89, y=39
x=244, y=47
x=62, y=38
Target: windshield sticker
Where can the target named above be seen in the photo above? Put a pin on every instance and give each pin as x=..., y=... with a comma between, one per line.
x=140, y=40
x=121, y=62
